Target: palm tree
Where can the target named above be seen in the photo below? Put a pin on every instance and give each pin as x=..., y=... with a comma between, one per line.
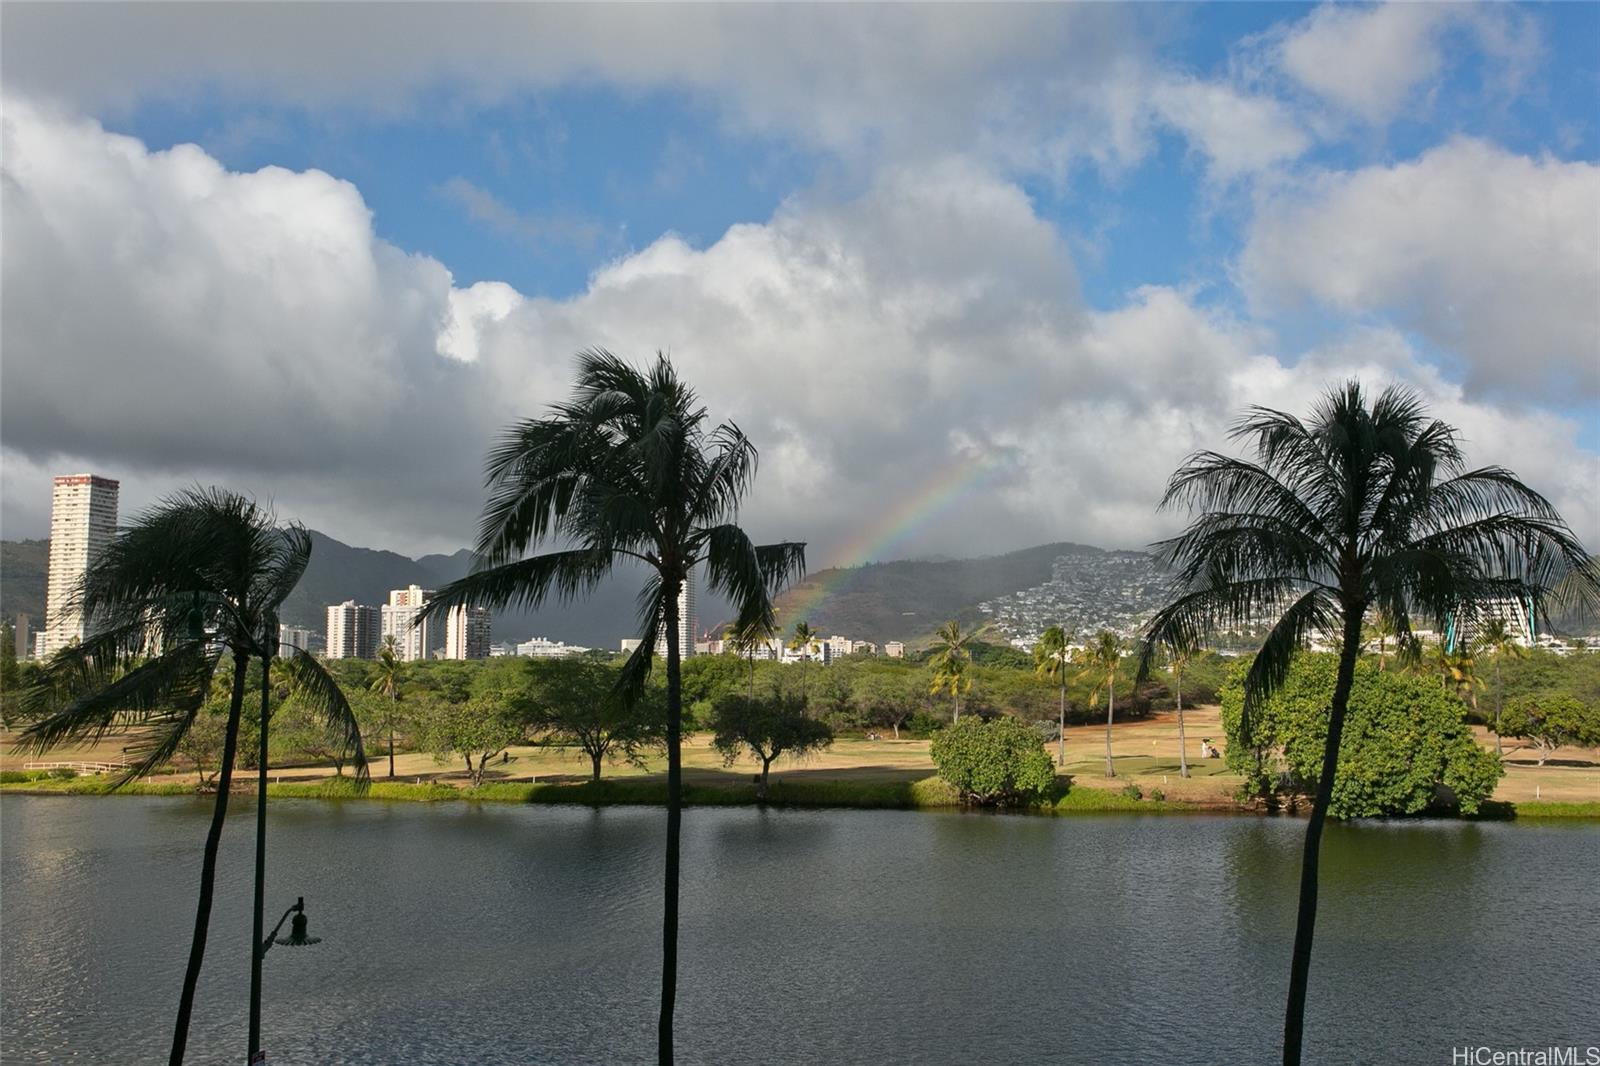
x=1381, y=629
x=1179, y=656
x=386, y=683
x=1500, y=642
x=1366, y=505
x=1100, y=660
x=1050, y=660
x=201, y=573
x=804, y=637
x=627, y=469
x=1461, y=673
x=951, y=656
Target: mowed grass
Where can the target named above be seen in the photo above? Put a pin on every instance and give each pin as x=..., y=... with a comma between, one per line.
x=854, y=772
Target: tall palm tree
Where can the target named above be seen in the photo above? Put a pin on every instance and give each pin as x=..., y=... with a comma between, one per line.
x=744, y=644
x=1366, y=505
x=1050, y=660
x=1100, y=661
x=1496, y=637
x=951, y=657
x=1179, y=656
x=1461, y=674
x=627, y=469
x=804, y=637
x=386, y=683
x=200, y=574
x=1380, y=629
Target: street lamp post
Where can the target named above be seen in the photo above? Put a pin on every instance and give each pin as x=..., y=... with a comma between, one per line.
x=297, y=938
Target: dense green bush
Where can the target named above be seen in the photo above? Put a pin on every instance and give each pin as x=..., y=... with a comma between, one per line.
x=1403, y=738
x=996, y=762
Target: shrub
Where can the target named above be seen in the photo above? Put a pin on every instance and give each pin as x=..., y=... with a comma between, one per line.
x=923, y=724
x=998, y=762
x=1133, y=791
x=1158, y=796
x=1404, y=738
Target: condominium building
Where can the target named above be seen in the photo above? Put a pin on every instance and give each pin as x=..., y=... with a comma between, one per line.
x=688, y=623
x=466, y=633
x=83, y=520
x=22, y=632
x=297, y=638
x=541, y=648
x=413, y=640
x=1462, y=630
x=894, y=649
x=352, y=631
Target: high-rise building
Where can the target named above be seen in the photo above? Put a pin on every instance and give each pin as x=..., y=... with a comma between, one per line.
x=293, y=638
x=352, y=631
x=466, y=633
x=83, y=519
x=23, y=632
x=688, y=623
x=413, y=640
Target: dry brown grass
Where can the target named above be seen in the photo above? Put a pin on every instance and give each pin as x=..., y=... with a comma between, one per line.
x=1144, y=752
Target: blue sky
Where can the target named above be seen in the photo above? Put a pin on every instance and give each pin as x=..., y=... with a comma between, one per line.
x=1247, y=199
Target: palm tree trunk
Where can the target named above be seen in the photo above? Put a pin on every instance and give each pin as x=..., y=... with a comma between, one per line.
x=1305, y=921
x=1111, y=702
x=1183, y=745
x=208, y=866
x=392, y=710
x=669, y=918
x=1061, y=727
x=258, y=917
x=1498, y=752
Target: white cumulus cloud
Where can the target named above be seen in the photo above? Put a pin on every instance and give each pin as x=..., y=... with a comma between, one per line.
x=1493, y=256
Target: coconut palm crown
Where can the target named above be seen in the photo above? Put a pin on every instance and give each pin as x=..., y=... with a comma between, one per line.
x=627, y=469
x=1368, y=505
x=201, y=573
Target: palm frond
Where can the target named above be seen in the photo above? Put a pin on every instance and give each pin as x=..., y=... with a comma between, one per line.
x=177, y=680
x=316, y=689
x=526, y=583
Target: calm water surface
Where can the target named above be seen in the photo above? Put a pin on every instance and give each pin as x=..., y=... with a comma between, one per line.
x=465, y=934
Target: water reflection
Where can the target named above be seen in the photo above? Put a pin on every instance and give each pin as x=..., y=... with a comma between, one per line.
x=491, y=934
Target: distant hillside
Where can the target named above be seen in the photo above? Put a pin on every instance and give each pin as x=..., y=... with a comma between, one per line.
x=908, y=600
x=23, y=565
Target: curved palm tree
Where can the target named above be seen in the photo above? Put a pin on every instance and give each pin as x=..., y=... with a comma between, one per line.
x=386, y=683
x=200, y=574
x=951, y=657
x=1100, y=661
x=1050, y=660
x=1366, y=505
x=1496, y=637
x=627, y=469
x=804, y=637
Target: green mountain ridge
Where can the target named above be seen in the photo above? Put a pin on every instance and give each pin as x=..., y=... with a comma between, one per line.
x=907, y=600
x=902, y=600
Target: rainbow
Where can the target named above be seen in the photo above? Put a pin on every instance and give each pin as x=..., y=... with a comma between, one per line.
x=891, y=527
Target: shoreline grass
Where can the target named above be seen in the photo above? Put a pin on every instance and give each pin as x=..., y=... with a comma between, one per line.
x=929, y=793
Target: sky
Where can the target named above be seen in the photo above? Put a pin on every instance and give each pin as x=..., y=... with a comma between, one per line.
x=972, y=278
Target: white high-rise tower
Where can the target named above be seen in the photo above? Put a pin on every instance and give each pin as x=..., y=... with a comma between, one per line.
x=399, y=616
x=83, y=519
x=688, y=622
